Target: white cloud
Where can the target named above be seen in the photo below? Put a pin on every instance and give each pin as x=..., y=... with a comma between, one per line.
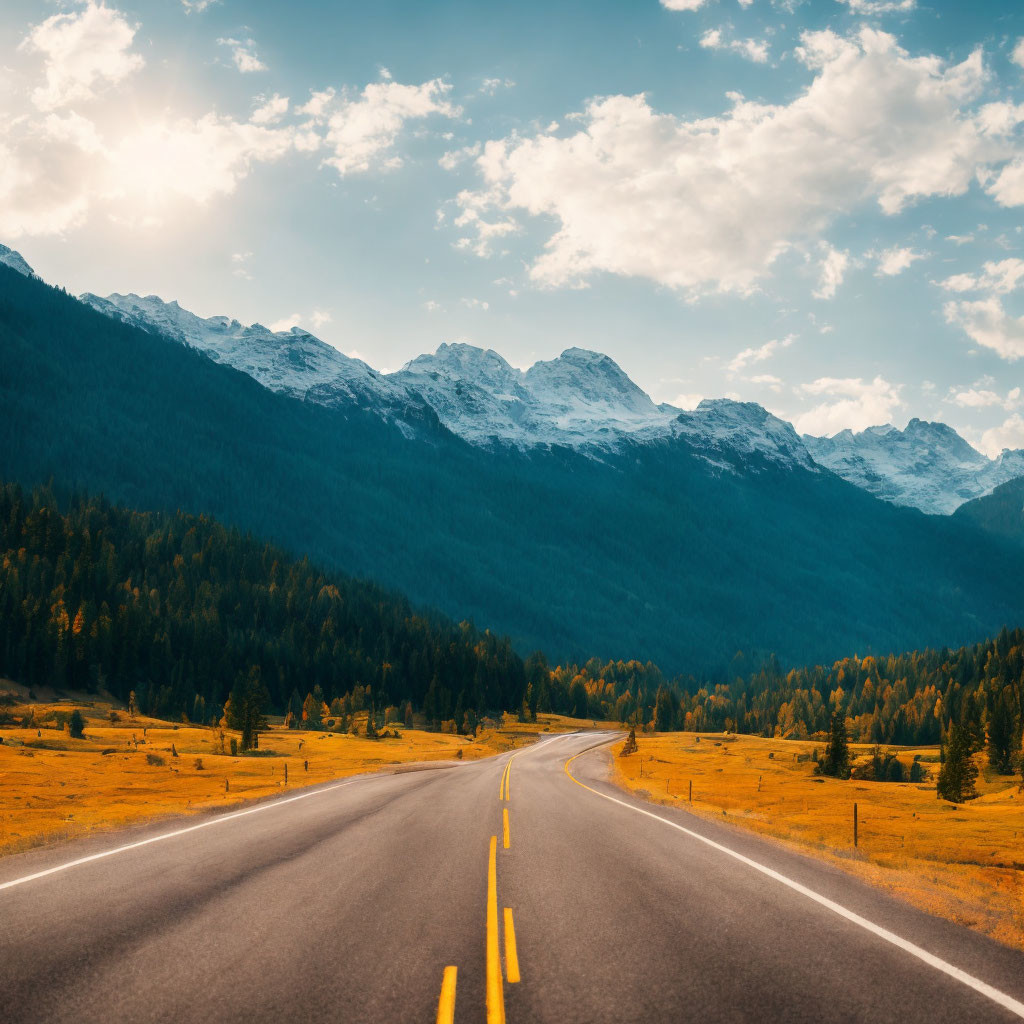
x=975, y=399
x=197, y=6
x=476, y=304
x=710, y=204
x=987, y=323
x=81, y=51
x=768, y=380
x=362, y=132
x=270, y=110
x=687, y=401
x=879, y=6
x=833, y=270
x=985, y=320
x=894, y=261
x=450, y=160
x=854, y=404
x=1018, y=53
x=243, y=53
x=752, y=49
x=758, y=355
x=682, y=5
x=1009, y=434
x=489, y=86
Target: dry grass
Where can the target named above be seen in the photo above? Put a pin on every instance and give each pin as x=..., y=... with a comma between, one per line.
x=963, y=862
x=56, y=788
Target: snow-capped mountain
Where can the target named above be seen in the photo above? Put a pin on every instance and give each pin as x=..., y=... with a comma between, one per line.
x=721, y=431
x=293, y=362
x=928, y=465
x=15, y=261
x=580, y=398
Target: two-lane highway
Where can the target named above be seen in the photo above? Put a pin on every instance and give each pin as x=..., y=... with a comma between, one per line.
x=521, y=888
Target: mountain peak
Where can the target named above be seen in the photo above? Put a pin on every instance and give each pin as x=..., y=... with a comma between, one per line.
x=13, y=259
x=927, y=465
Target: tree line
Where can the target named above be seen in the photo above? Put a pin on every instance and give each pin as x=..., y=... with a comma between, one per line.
x=182, y=610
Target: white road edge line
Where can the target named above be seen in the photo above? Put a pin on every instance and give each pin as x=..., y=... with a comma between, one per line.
x=1004, y=1000
x=219, y=820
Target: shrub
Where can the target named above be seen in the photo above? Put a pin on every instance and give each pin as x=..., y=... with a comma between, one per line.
x=154, y=759
x=76, y=725
x=234, y=747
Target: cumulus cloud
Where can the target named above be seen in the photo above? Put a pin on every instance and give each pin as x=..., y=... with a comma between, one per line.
x=270, y=110
x=892, y=262
x=197, y=6
x=682, y=5
x=985, y=319
x=833, y=270
x=243, y=54
x=1009, y=434
x=850, y=403
x=710, y=204
x=59, y=166
x=752, y=49
x=983, y=398
x=759, y=354
x=987, y=323
x=687, y=401
x=1018, y=53
x=82, y=51
x=361, y=132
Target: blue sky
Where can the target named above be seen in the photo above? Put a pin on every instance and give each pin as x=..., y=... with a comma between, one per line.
x=814, y=205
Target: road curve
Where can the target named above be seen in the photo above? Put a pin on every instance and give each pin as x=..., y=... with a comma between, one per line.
x=355, y=902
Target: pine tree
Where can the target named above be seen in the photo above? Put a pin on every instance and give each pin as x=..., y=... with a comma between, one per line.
x=837, y=751
x=959, y=772
x=1000, y=735
x=244, y=709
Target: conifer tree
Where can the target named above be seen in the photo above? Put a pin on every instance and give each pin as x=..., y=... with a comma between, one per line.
x=959, y=772
x=837, y=751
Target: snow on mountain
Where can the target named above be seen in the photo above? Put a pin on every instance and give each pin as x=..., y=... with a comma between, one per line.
x=293, y=362
x=719, y=430
x=15, y=261
x=580, y=398
x=928, y=465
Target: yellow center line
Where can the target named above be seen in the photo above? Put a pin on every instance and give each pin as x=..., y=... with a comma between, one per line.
x=504, y=776
x=504, y=817
x=495, y=994
x=446, y=1004
x=511, y=956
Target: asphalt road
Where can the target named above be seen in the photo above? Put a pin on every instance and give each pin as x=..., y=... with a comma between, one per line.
x=349, y=903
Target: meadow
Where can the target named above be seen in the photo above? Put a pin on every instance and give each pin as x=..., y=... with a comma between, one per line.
x=964, y=862
x=126, y=771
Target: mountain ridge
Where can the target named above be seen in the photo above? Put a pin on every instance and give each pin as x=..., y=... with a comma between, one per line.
x=581, y=399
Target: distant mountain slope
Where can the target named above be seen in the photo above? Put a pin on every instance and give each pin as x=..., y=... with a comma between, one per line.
x=669, y=548
x=14, y=260
x=1001, y=512
x=927, y=466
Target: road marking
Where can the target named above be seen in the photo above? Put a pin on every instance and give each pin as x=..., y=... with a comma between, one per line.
x=511, y=956
x=178, y=832
x=1004, y=1000
x=504, y=776
x=508, y=778
x=504, y=823
x=495, y=995
x=446, y=1004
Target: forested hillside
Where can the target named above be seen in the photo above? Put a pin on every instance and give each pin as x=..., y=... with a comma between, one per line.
x=906, y=698
x=647, y=552
x=179, y=609
x=1000, y=513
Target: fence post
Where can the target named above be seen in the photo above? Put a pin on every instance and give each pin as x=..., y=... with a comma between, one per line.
x=855, y=825
x=691, y=791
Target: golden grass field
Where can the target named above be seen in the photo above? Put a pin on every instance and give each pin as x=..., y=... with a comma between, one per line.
x=55, y=788
x=963, y=862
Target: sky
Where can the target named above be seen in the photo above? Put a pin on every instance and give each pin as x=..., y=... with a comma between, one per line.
x=811, y=204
